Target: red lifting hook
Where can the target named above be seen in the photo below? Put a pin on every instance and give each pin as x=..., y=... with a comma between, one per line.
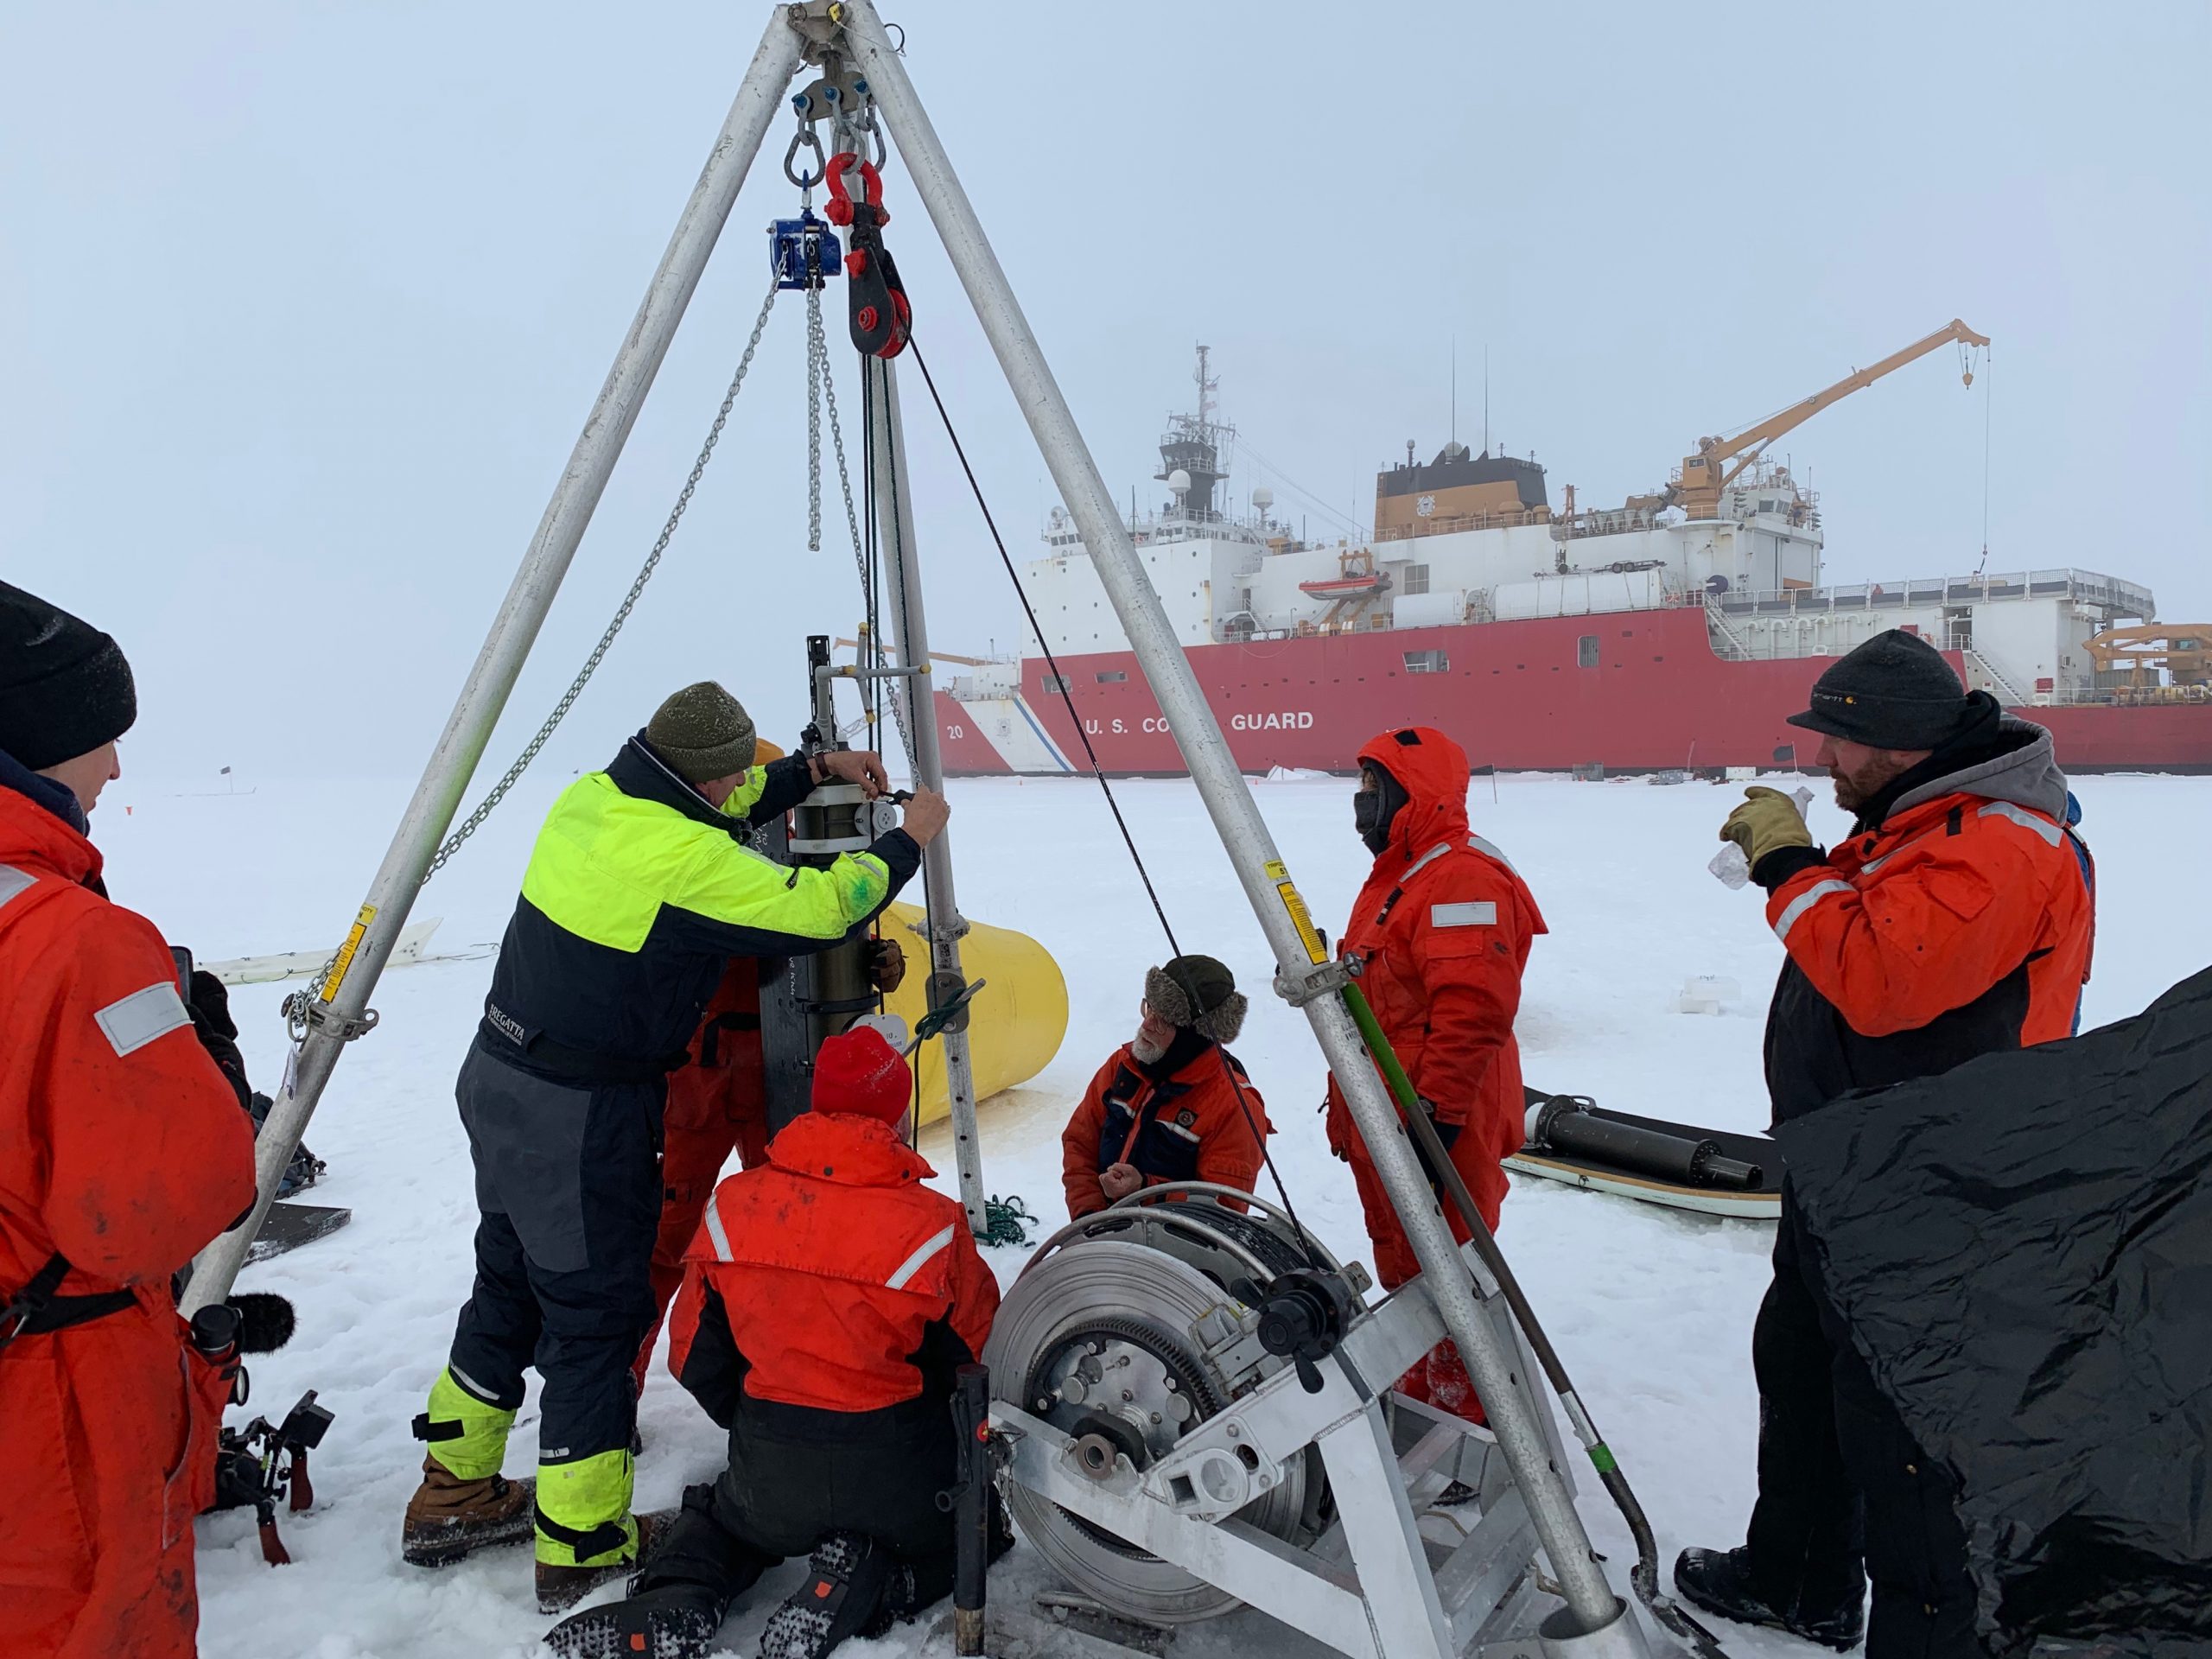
x=880, y=316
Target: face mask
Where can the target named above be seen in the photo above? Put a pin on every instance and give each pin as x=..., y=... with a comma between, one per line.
x=1372, y=810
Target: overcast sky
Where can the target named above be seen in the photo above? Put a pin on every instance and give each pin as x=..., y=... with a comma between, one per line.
x=301, y=306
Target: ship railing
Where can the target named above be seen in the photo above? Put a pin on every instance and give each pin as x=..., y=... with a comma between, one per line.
x=1605, y=521
x=2082, y=587
x=1462, y=521
x=2007, y=689
x=1726, y=641
x=2121, y=696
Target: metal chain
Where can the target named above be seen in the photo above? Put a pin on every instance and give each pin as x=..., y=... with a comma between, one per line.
x=817, y=366
x=498, y=792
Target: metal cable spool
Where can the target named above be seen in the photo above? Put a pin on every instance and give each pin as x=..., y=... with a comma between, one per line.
x=1101, y=1337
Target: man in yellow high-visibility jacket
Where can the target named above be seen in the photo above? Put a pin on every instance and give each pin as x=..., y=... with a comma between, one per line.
x=641, y=889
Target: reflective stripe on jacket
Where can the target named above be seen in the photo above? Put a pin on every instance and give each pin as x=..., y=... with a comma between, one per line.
x=1959, y=925
x=1443, y=926
x=829, y=1278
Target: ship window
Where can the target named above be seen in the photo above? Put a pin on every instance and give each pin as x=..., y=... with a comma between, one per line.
x=1585, y=651
x=1113, y=677
x=1426, y=662
x=1416, y=579
x=1054, y=684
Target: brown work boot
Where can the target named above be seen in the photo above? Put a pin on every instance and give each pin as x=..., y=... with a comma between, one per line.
x=449, y=1517
x=560, y=1588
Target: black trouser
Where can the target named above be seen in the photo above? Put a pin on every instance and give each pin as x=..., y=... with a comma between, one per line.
x=796, y=1473
x=570, y=1192
x=1845, y=1492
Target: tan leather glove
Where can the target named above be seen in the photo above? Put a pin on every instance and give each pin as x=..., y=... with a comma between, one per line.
x=1767, y=821
x=886, y=965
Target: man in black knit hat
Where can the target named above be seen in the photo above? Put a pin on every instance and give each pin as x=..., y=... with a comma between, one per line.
x=1954, y=921
x=123, y=1151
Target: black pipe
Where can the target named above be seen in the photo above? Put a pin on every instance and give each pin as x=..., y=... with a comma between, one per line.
x=971, y=1417
x=1564, y=1125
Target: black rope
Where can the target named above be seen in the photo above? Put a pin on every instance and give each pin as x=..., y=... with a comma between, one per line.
x=1060, y=680
x=1244, y=1102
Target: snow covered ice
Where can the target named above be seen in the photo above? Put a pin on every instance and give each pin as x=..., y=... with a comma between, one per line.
x=1652, y=1310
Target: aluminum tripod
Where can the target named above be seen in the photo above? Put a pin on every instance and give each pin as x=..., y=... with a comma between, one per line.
x=1594, y=1620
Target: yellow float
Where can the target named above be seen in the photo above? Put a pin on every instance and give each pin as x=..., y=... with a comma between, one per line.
x=1015, y=1023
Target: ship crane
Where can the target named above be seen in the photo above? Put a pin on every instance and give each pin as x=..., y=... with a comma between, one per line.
x=1719, y=462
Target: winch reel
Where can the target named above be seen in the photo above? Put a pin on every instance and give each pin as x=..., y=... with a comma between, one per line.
x=1124, y=1332
x=1197, y=1403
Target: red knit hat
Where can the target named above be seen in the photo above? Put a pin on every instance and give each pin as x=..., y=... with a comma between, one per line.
x=860, y=1072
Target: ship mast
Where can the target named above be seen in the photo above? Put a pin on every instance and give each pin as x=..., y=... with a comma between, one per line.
x=1192, y=447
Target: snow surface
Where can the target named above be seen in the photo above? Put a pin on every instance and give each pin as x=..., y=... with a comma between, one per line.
x=1651, y=1309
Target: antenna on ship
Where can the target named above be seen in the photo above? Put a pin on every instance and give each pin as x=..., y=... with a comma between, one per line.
x=1455, y=388
x=1486, y=401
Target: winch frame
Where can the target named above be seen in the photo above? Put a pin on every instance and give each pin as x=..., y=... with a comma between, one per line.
x=1379, y=1582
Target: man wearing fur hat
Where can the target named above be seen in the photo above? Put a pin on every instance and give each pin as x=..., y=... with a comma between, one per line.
x=641, y=888
x=1172, y=1104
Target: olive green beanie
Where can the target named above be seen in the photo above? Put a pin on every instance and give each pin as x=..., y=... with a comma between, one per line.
x=703, y=734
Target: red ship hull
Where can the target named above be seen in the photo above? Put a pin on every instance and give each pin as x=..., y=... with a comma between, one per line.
x=1517, y=695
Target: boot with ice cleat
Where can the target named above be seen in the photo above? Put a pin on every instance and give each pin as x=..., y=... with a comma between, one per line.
x=676, y=1604
x=449, y=1517
x=843, y=1595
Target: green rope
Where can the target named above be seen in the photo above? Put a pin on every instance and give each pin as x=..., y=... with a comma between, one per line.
x=1006, y=1221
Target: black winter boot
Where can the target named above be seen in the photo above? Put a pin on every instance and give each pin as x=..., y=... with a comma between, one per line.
x=843, y=1595
x=1720, y=1581
x=917, y=1584
x=678, y=1621
x=677, y=1602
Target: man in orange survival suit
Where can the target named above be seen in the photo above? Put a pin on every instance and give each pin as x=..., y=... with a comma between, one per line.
x=1442, y=928
x=1955, y=921
x=1165, y=1106
x=718, y=1104
x=122, y=1151
x=827, y=1302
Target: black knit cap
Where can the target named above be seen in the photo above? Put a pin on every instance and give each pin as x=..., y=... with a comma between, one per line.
x=1894, y=692
x=65, y=688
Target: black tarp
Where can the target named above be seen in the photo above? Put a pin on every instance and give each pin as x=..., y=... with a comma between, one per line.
x=2023, y=1247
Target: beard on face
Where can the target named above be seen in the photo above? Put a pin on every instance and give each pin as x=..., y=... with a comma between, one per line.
x=1144, y=1048
x=1855, y=789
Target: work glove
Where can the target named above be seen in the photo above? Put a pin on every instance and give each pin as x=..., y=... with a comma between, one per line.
x=1767, y=822
x=209, y=1005
x=886, y=965
x=1446, y=1133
